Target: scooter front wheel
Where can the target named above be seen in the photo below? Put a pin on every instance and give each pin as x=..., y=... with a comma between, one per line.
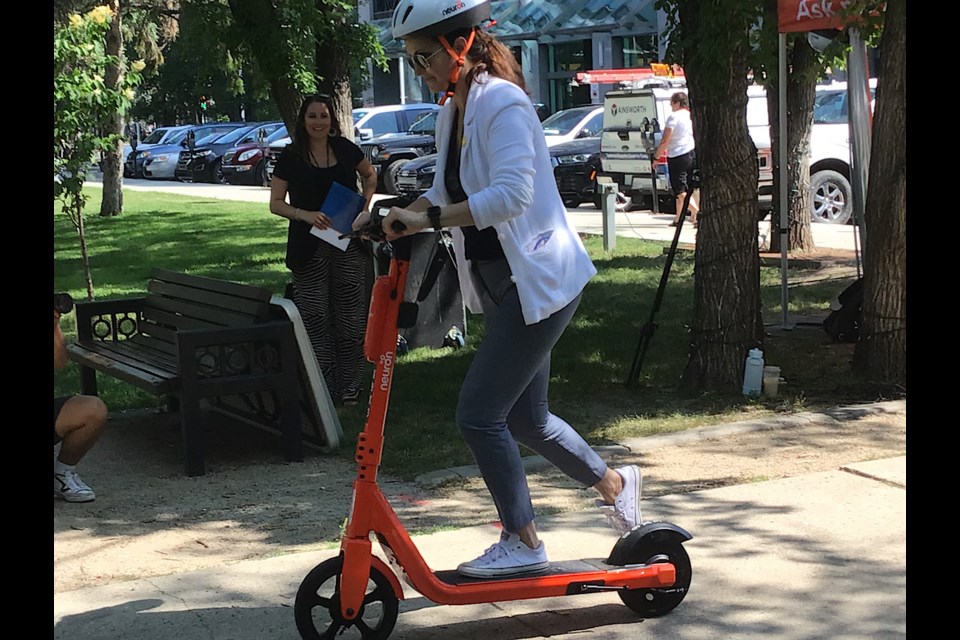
x=317, y=606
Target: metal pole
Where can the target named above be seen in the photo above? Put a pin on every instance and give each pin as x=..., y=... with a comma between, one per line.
x=609, y=208
x=782, y=56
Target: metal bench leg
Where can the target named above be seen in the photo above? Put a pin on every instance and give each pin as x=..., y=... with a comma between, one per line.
x=194, y=439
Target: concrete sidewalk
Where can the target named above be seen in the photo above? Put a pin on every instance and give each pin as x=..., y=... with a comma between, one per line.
x=821, y=555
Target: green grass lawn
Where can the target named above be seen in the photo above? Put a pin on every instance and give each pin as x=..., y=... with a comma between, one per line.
x=243, y=242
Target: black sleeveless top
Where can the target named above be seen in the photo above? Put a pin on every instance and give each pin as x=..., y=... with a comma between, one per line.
x=307, y=187
x=477, y=244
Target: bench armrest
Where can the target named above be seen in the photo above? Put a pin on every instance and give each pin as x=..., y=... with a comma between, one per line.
x=108, y=320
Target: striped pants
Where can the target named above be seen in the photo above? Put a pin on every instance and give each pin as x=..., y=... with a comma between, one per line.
x=330, y=296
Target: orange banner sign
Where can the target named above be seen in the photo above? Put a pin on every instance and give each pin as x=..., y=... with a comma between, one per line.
x=810, y=15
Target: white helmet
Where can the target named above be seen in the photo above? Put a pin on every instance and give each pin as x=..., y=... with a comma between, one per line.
x=437, y=17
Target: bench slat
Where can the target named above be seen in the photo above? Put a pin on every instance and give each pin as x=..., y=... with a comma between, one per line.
x=134, y=374
x=133, y=354
x=235, y=289
x=215, y=317
x=200, y=301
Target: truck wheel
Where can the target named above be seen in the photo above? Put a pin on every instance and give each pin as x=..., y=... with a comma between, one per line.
x=831, y=197
x=391, y=174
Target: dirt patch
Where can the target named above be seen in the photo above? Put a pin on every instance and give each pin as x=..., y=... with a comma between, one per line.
x=150, y=519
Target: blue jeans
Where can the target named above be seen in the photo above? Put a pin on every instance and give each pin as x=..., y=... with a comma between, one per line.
x=503, y=400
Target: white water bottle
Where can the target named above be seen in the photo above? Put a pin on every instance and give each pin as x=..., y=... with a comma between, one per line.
x=753, y=373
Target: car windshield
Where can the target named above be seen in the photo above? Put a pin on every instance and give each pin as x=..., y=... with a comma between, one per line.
x=176, y=136
x=156, y=136
x=562, y=122
x=276, y=135
x=231, y=136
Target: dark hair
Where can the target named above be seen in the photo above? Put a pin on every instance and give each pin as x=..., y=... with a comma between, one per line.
x=300, y=139
x=681, y=99
x=490, y=55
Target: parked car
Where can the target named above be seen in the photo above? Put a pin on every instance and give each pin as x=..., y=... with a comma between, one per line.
x=369, y=123
x=831, y=191
x=204, y=162
x=416, y=176
x=389, y=153
x=576, y=122
x=247, y=163
x=160, y=136
x=160, y=163
x=575, y=166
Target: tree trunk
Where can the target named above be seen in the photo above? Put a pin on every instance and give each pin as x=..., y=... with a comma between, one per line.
x=726, y=319
x=801, y=91
x=333, y=78
x=259, y=26
x=77, y=217
x=881, y=352
x=112, y=202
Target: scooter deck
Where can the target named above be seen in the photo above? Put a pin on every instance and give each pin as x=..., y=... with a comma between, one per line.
x=451, y=577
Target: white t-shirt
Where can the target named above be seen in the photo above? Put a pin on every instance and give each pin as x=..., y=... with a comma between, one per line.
x=681, y=140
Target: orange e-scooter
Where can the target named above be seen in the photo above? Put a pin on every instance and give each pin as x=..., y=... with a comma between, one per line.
x=356, y=594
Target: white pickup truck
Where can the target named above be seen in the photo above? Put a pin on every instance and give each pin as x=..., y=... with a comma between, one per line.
x=624, y=158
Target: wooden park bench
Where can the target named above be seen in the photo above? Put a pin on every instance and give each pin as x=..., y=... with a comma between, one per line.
x=203, y=343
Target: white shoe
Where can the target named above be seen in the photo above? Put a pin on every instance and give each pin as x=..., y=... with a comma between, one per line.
x=71, y=488
x=508, y=557
x=624, y=514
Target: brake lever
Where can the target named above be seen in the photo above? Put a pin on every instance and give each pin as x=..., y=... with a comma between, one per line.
x=374, y=228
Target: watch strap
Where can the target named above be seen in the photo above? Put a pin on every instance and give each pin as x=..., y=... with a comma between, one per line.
x=433, y=214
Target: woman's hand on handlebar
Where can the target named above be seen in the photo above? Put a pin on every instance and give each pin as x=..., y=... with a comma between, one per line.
x=361, y=220
x=403, y=222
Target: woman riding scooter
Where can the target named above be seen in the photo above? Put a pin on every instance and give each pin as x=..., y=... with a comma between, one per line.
x=520, y=262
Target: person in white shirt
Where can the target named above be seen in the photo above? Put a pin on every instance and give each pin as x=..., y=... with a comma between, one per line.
x=520, y=261
x=677, y=141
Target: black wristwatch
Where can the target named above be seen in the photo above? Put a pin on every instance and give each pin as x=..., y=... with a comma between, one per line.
x=433, y=213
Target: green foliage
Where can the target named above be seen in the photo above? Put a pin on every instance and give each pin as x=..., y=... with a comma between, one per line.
x=81, y=99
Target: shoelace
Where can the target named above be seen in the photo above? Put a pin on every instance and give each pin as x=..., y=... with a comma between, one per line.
x=493, y=553
x=616, y=521
x=71, y=480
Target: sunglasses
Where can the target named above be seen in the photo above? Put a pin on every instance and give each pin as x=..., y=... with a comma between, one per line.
x=420, y=61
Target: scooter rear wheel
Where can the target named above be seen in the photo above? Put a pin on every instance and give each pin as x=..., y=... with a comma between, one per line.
x=317, y=606
x=653, y=603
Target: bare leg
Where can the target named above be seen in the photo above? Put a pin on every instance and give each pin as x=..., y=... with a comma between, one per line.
x=79, y=424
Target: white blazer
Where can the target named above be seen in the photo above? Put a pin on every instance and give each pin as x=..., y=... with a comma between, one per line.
x=506, y=173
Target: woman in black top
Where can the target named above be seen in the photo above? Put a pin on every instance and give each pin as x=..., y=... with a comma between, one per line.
x=328, y=282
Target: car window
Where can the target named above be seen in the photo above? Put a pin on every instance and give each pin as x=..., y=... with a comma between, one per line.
x=358, y=113
x=425, y=123
x=177, y=136
x=562, y=122
x=594, y=126
x=830, y=108
x=381, y=123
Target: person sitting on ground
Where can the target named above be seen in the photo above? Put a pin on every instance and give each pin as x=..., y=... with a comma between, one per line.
x=677, y=142
x=77, y=423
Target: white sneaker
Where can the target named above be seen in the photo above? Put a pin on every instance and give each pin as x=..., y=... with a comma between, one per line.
x=510, y=556
x=71, y=488
x=624, y=514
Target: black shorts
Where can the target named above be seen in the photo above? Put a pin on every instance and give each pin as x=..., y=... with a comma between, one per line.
x=681, y=168
x=57, y=406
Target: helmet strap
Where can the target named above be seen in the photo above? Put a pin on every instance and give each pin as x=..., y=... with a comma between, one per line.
x=459, y=58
